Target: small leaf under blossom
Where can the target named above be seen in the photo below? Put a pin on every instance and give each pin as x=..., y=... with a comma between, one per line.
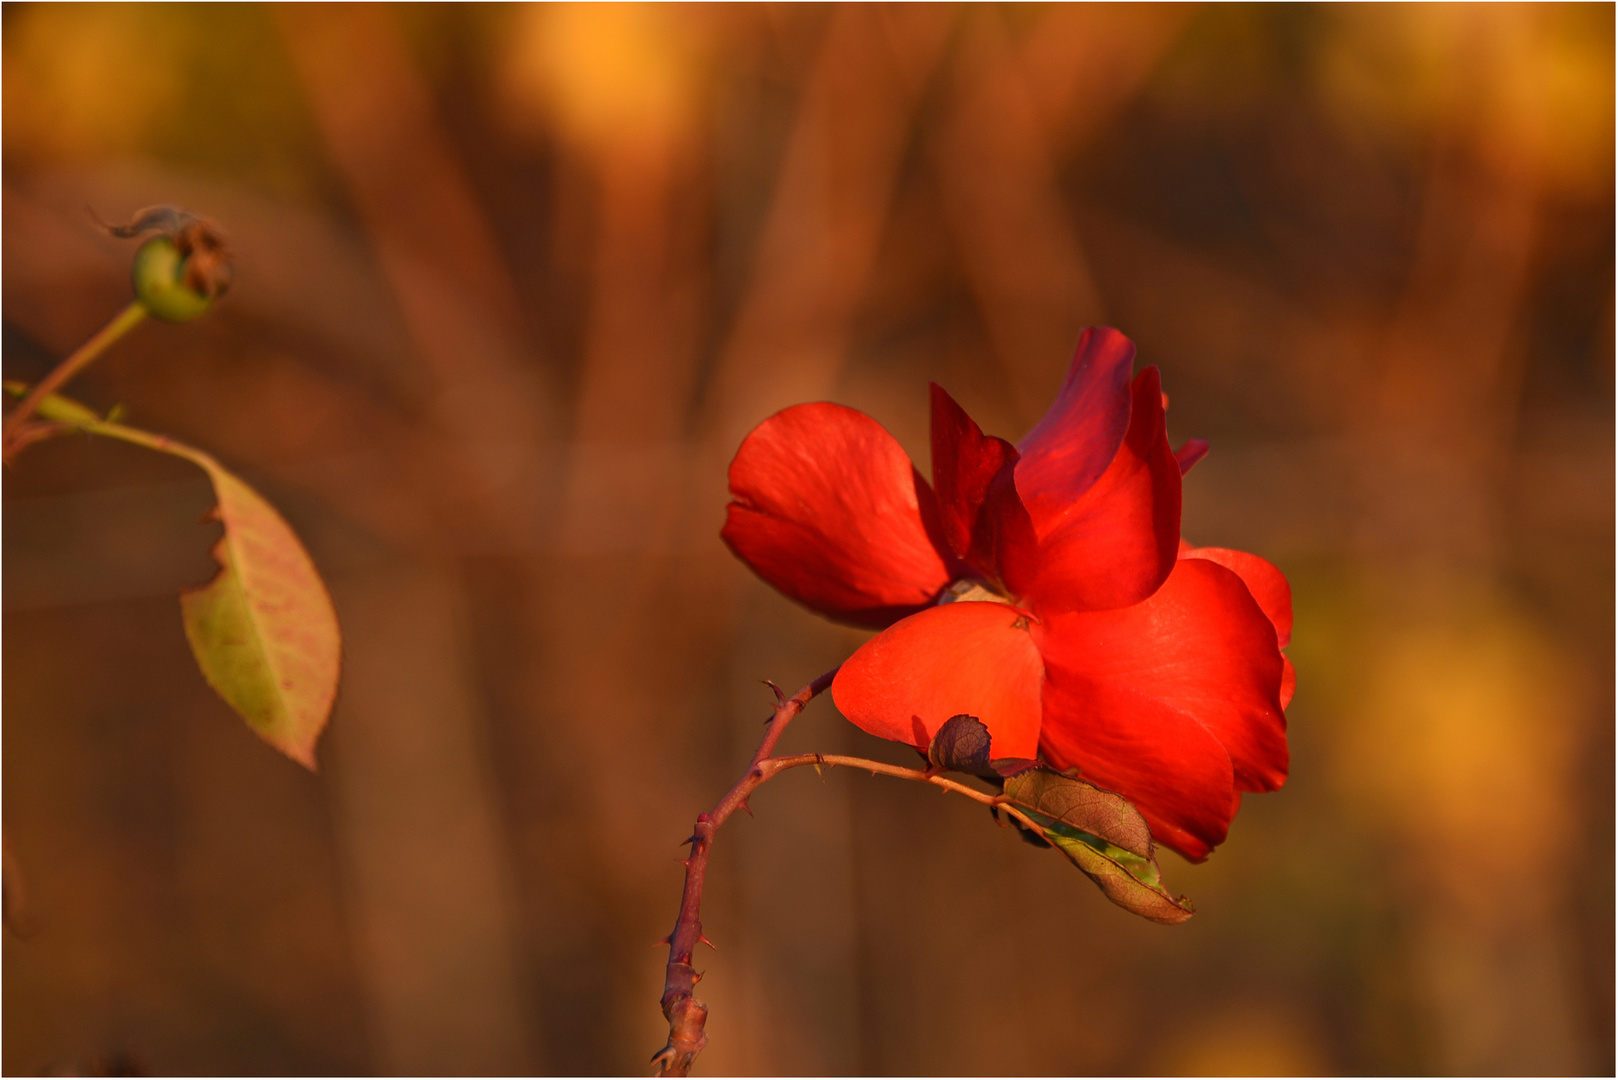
x=1103, y=834
x=1082, y=806
x=1127, y=880
x=1099, y=830
x=962, y=745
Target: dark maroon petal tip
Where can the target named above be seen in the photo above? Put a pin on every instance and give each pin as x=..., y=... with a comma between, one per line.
x=1115, y=544
x=1079, y=435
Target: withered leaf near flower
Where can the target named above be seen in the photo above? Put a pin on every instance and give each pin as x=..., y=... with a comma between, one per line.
x=1102, y=834
x=1082, y=806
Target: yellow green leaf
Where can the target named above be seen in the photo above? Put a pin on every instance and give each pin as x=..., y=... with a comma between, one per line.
x=263, y=631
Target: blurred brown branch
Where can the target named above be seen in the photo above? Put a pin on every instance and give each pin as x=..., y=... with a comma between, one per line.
x=831, y=200
x=439, y=255
x=995, y=160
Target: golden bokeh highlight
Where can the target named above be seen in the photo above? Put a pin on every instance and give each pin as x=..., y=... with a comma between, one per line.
x=81, y=82
x=602, y=73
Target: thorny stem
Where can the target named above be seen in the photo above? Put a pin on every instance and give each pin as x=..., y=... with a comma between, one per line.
x=125, y=321
x=686, y=1015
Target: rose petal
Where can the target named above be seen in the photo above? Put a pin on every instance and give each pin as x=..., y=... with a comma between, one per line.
x=1289, y=681
x=973, y=658
x=965, y=463
x=977, y=495
x=1134, y=695
x=828, y=509
x=1079, y=435
x=1267, y=584
x=1115, y=544
x=1171, y=767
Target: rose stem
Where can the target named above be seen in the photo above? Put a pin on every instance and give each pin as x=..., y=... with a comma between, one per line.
x=125, y=321
x=686, y=1015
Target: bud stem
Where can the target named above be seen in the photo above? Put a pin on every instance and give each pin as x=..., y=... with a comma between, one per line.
x=125, y=321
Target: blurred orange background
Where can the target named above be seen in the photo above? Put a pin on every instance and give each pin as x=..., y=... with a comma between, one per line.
x=512, y=284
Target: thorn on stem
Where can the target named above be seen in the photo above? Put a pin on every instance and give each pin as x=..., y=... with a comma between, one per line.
x=704, y=939
x=780, y=697
x=749, y=809
x=666, y=939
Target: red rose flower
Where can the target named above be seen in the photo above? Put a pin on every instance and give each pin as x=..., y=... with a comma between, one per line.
x=1042, y=588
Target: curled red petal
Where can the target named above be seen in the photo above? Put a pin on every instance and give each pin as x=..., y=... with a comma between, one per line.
x=974, y=658
x=1139, y=697
x=1267, y=584
x=983, y=518
x=1289, y=681
x=1079, y=435
x=828, y=508
x=1116, y=544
